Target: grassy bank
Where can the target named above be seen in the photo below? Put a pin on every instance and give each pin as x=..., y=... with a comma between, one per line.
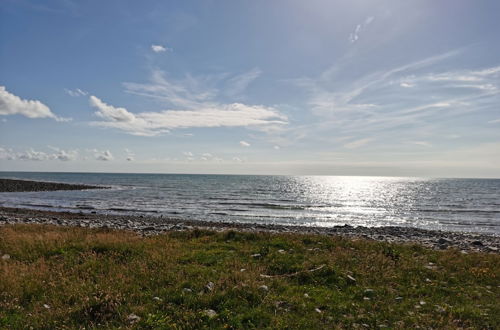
x=71, y=277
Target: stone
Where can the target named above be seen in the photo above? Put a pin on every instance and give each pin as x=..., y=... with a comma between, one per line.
x=5, y=257
x=477, y=243
x=256, y=255
x=132, y=318
x=264, y=288
x=210, y=313
x=210, y=286
x=187, y=290
x=157, y=298
x=352, y=279
x=46, y=306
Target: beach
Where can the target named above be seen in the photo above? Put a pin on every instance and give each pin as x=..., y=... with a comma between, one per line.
x=154, y=225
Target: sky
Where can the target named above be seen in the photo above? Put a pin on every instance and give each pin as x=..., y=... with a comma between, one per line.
x=317, y=87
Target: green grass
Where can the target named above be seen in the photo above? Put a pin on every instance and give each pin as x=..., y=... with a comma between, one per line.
x=98, y=278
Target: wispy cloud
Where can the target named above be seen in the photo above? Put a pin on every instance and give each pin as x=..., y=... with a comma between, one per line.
x=239, y=83
x=11, y=104
x=75, y=92
x=376, y=101
x=244, y=144
x=354, y=36
x=357, y=143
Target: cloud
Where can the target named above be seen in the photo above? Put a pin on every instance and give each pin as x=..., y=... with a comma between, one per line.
x=103, y=155
x=375, y=102
x=187, y=153
x=357, y=143
x=130, y=156
x=155, y=123
x=158, y=48
x=276, y=148
x=406, y=85
x=244, y=144
x=34, y=155
x=422, y=143
x=11, y=104
x=239, y=83
x=494, y=121
x=354, y=36
x=63, y=155
x=76, y=92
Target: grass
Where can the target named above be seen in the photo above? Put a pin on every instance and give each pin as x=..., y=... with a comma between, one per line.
x=59, y=277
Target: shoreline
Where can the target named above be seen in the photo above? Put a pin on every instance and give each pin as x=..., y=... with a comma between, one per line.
x=149, y=225
x=18, y=185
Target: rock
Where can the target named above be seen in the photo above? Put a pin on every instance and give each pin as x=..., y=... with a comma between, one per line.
x=318, y=310
x=352, y=279
x=306, y=295
x=242, y=270
x=187, y=290
x=5, y=257
x=132, y=318
x=46, y=306
x=264, y=288
x=256, y=255
x=157, y=298
x=282, y=251
x=477, y=243
x=210, y=313
x=443, y=241
x=210, y=286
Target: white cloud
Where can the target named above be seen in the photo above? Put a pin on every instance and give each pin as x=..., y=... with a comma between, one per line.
x=11, y=104
x=158, y=48
x=422, y=143
x=276, y=148
x=103, y=155
x=155, y=123
x=130, y=156
x=76, y=92
x=237, y=159
x=495, y=121
x=63, y=155
x=354, y=36
x=406, y=85
x=34, y=155
x=244, y=144
x=357, y=143
x=239, y=83
x=187, y=153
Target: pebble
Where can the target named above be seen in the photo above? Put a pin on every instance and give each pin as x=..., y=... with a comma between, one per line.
x=5, y=257
x=318, y=310
x=46, y=306
x=187, y=290
x=464, y=242
x=157, y=298
x=351, y=278
x=132, y=318
x=264, y=288
x=210, y=313
x=210, y=286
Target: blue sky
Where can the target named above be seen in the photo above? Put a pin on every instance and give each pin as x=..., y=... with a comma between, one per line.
x=404, y=88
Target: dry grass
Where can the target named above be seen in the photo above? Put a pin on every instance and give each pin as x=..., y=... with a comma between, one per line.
x=74, y=278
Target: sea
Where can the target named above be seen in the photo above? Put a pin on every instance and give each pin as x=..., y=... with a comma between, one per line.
x=470, y=205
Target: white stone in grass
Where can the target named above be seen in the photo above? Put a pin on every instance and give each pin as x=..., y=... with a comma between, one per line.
x=351, y=278
x=210, y=286
x=264, y=288
x=5, y=257
x=187, y=290
x=210, y=313
x=242, y=270
x=157, y=298
x=318, y=310
x=132, y=318
x=306, y=295
x=256, y=255
x=46, y=306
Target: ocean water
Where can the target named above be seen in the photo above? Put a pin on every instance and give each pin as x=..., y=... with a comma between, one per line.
x=446, y=204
